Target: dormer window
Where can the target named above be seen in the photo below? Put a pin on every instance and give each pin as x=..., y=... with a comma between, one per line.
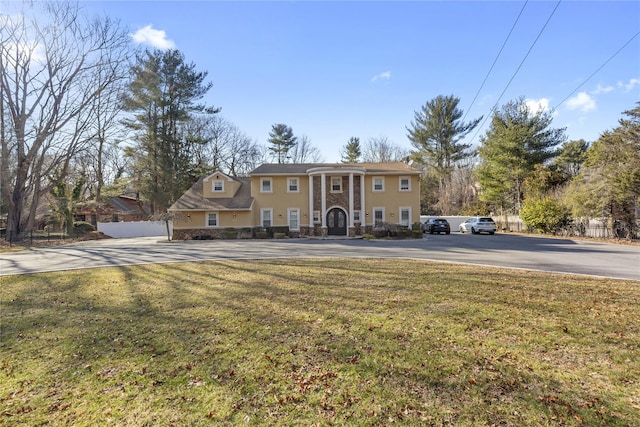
x=218, y=186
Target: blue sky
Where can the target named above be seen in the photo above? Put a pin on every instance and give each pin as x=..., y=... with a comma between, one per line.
x=336, y=69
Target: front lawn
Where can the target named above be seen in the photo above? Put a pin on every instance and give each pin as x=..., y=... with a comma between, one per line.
x=318, y=342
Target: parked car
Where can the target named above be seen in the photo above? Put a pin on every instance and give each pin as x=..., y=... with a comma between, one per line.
x=436, y=225
x=478, y=224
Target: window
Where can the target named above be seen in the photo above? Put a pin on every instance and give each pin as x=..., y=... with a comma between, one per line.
x=356, y=216
x=405, y=216
x=218, y=186
x=266, y=215
x=212, y=220
x=316, y=217
x=405, y=183
x=292, y=185
x=378, y=217
x=294, y=221
x=265, y=185
x=378, y=183
x=336, y=184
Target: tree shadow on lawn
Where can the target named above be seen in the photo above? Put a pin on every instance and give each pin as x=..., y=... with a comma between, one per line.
x=272, y=341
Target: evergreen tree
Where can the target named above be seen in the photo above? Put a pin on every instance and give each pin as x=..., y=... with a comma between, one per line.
x=436, y=133
x=282, y=140
x=352, y=151
x=515, y=143
x=162, y=95
x=609, y=184
x=571, y=157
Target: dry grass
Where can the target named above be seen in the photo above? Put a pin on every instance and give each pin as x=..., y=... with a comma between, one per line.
x=318, y=342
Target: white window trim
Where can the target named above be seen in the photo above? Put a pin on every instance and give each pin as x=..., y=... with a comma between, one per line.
x=289, y=211
x=206, y=220
x=270, y=210
x=404, y=208
x=331, y=184
x=262, y=190
x=357, y=216
x=373, y=215
x=400, y=183
x=289, y=190
x=317, y=219
x=213, y=185
x=373, y=184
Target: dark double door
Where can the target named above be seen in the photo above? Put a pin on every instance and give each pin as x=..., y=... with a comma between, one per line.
x=336, y=222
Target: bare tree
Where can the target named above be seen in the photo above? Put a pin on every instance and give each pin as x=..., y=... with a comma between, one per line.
x=54, y=65
x=381, y=150
x=223, y=146
x=304, y=152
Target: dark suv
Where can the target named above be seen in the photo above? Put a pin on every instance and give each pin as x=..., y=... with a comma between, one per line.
x=437, y=225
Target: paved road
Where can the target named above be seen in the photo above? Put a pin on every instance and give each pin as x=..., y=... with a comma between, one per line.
x=503, y=250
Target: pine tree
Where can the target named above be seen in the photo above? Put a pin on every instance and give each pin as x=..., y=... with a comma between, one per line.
x=515, y=143
x=282, y=140
x=436, y=133
x=352, y=151
x=162, y=96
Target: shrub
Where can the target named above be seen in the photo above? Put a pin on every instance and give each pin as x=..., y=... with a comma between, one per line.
x=545, y=215
x=230, y=233
x=82, y=227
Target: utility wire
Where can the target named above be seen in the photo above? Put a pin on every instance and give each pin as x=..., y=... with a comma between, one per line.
x=518, y=69
x=495, y=60
x=599, y=68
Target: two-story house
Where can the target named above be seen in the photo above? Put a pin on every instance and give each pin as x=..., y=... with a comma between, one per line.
x=338, y=199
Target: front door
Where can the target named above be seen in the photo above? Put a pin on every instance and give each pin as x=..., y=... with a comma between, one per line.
x=336, y=222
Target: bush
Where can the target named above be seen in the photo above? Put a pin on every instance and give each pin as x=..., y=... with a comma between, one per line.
x=82, y=228
x=545, y=215
x=230, y=233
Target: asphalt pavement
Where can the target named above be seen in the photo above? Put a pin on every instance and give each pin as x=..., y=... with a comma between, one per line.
x=500, y=250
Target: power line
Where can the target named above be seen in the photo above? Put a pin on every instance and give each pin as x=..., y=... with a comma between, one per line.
x=596, y=71
x=495, y=60
x=518, y=69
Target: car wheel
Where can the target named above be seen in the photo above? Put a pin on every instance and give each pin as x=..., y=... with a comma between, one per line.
x=491, y=232
x=473, y=230
x=448, y=232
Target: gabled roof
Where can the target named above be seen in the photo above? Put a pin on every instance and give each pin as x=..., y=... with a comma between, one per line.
x=304, y=168
x=193, y=199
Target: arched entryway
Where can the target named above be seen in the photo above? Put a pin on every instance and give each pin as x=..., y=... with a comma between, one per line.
x=336, y=222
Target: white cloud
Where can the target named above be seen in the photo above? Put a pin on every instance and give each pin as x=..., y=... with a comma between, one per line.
x=632, y=83
x=156, y=38
x=537, y=105
x=602, y=89
x=385, y=75
x=582, y=101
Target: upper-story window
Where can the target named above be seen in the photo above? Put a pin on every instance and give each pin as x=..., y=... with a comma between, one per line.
x=266, y=185
x=292, y=185
x=405, y=183
x=378, y=183
x=218, y=186
x=336, y=184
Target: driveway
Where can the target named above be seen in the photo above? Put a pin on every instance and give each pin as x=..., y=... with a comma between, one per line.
x=500, y=250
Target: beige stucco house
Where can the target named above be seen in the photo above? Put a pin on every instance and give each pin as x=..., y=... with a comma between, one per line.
x=341, y=199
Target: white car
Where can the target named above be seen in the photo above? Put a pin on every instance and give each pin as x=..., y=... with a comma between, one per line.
x=478, y=224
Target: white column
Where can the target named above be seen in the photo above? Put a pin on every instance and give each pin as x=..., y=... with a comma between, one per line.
x=363, y=211
x=311, y=201
x=351, y=200
x=323, y=197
